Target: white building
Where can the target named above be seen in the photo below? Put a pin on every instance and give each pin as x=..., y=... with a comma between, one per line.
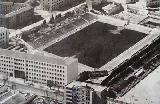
x=112, y=8
x=85, y=93
x=4, y=37
x=38, y=67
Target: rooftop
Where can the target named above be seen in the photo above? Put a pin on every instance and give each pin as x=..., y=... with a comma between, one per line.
x=96, y=88
x=18, y=46
x=109, y=6
x=2, y=29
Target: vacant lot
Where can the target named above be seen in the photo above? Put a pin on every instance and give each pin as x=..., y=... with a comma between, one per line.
x=97, y=44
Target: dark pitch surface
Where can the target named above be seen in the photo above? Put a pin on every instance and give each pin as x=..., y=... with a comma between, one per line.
x=97, y=44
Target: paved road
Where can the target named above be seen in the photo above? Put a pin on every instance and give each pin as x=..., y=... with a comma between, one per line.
x=30, y=89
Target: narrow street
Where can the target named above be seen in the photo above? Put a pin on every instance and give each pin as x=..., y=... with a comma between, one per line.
x=24, y=88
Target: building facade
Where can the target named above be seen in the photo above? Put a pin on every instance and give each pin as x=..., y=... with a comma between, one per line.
x=38, y=67
x=15, y=14
x=51, y=5
x=85, y=93
x=4, y=37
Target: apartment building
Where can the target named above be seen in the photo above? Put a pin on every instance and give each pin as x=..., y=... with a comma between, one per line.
x=13, y=15
x=37, y=67
x=51, y=5
x=7, y=7
x=4, y=37
x=85, y=93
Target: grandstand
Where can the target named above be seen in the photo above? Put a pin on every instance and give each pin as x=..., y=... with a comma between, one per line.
x=151, y=22
x=131, y=72
x=38, y=38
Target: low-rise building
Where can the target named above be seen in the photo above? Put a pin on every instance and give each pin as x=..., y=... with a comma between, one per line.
x=13, y=15
x=137, y=8
x=113, y=8
x=4, y=37
x=85, y=93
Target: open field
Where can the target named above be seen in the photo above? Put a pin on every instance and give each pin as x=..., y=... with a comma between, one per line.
x=97, y=44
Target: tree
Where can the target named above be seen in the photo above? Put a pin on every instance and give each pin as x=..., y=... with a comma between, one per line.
x=69, y=14
x=84, y=76
x=51, y=19
x=50, y=83
x=5, y=78
x=58, y=16
x=33, y=3
x=44, y=24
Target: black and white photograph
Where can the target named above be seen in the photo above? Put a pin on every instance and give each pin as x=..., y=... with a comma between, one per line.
x=79, y=51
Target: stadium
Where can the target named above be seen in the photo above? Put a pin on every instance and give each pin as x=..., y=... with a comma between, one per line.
x=127, y=53
x=96, y=44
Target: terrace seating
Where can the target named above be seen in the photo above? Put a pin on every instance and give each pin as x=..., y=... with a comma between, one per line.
x=41, y=39
x=79, y=22
x=123, y=78
x=69, y=28
x=88, y=17
x=5, y=95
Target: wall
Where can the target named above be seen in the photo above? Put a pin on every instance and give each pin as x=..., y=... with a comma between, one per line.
x=72, y=72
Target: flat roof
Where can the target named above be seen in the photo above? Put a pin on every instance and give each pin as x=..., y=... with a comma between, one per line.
x=97, y=88
x=2, y=29
x=109, y=6
x=36, y=55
